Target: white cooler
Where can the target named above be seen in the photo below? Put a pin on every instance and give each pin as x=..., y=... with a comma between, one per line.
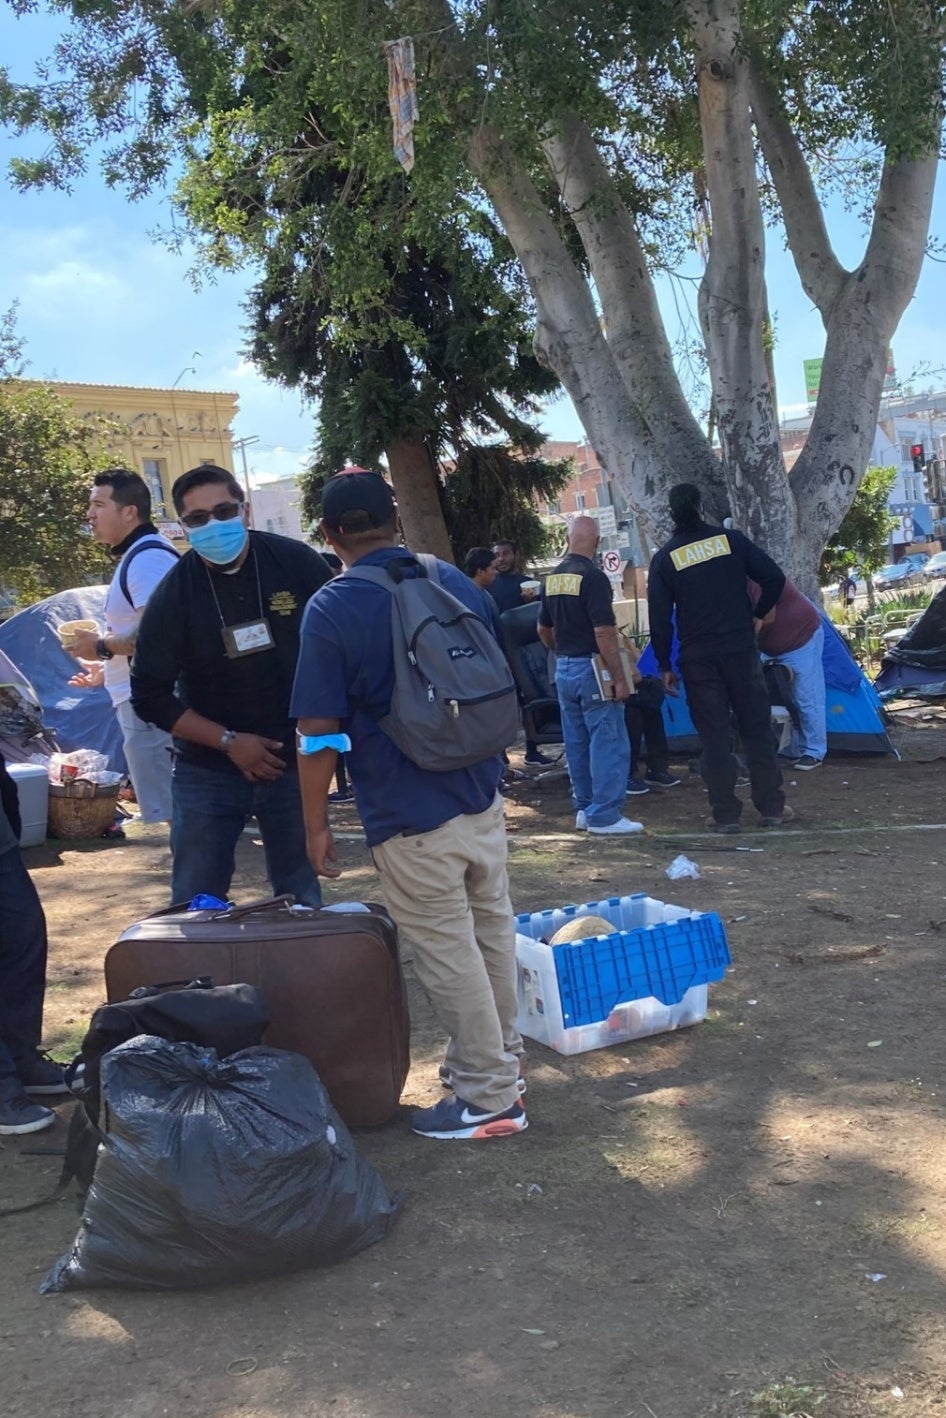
x=32, y=784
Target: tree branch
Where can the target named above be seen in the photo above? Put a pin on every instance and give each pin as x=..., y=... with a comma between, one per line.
x=860, y=327
x=820, y=272
x=568, y=335
x=635, y=331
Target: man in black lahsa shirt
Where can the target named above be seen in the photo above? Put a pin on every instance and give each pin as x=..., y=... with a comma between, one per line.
x=702, y=571
x=214, y=666
x=576, y=620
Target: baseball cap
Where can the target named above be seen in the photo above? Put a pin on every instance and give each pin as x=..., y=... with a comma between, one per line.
x=356, y=500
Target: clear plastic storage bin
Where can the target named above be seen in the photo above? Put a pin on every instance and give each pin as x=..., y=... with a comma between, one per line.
x=650, y=975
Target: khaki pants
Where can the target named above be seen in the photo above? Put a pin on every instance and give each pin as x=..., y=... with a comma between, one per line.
x=448, y=893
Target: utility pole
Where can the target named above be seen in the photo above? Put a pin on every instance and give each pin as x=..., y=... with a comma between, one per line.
x=241, y=445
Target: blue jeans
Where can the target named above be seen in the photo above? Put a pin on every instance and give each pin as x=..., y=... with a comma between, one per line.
x=210, y=810
x=596, y=744
x=22, y=969
x=808, y=688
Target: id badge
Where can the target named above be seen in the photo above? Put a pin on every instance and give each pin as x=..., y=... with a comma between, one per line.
x=247, y=639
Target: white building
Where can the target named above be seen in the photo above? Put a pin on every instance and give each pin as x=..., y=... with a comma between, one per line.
x=276, y=508
x=903, y=423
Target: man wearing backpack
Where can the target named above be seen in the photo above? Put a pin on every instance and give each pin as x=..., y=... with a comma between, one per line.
x=429, y=801
x=120, y=518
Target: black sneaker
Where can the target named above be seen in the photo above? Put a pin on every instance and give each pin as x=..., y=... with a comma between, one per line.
x=19, y=1115
x=726, y=829
x=661, y=780
x=635, y=787
x=340, y=797
x=806, y=763
x=41, y=1074
x=537, y=759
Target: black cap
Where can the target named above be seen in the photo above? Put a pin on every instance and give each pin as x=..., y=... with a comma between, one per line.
x=356, y=500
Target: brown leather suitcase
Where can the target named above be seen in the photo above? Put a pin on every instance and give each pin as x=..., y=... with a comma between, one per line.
x=332, y=981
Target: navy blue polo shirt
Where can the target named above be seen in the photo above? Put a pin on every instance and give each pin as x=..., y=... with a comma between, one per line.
x=346, y=672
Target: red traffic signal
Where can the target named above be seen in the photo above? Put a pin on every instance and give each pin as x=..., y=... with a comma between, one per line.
x=916, y=453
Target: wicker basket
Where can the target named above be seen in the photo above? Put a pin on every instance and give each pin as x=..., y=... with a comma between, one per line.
x=81, y=809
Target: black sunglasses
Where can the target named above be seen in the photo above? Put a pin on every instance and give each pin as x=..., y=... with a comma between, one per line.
x=223, y=512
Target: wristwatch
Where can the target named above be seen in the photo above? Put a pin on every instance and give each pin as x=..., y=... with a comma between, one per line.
x=227, y=740
x=102, y=650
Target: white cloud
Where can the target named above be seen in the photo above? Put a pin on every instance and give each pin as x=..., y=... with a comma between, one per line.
x=72, y=290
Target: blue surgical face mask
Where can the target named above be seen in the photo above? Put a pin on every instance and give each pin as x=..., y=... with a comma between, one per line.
x=219, y=542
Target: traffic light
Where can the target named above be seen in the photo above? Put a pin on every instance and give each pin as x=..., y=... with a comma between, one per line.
x=916, y=453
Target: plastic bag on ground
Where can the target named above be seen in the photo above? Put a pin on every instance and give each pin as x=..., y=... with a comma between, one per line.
x=682, y=866
x=215, y=1170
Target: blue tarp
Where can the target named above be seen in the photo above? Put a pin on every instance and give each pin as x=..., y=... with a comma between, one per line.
x=79, y=718
x=853, y=708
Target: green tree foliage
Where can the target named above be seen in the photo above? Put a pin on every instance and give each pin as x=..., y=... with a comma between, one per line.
x=606, y=141
x=488, y=496
x=446, y=364
x=47, y=458
x=863, y=538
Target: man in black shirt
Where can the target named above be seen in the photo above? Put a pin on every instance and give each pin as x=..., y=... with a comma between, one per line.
x=576, y=620
x=702, y=572
x=509, y=589
x=214, y=666
x=506, y=586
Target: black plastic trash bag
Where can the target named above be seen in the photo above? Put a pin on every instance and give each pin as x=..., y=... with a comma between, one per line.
x=215, y=1170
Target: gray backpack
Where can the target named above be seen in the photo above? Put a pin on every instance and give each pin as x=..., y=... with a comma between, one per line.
x=454, y=702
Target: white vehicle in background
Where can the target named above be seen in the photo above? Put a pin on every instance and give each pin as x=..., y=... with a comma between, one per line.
x=935, y=568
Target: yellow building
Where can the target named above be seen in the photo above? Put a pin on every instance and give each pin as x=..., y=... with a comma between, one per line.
x=165, y=432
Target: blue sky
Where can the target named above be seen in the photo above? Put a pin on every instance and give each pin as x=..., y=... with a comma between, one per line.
x=101, y=302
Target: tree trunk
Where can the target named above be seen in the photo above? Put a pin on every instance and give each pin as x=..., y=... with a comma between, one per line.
x=414, y=476
x=569, y=340
x=732, y=301
x=633, y=326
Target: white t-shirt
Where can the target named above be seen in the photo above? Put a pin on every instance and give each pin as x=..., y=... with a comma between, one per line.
x=145, y=570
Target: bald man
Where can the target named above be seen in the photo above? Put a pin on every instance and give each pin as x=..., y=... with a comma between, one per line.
x=576, y=620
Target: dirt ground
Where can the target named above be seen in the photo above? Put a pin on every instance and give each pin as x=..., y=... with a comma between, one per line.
x=744, y=1219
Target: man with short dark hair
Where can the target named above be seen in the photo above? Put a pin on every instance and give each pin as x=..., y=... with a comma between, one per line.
x=120, y=518
x=214, y=665
x=702, y=573
x=506, y=588
x=438, y=839
x=480, y=566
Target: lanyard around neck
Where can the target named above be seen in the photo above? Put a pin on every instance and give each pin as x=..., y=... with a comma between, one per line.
x=259, y=589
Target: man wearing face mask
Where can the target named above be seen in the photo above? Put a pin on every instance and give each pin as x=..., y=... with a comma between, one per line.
x=214, y=666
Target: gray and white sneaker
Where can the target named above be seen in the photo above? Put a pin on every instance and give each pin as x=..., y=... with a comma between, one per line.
x=581, y=821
